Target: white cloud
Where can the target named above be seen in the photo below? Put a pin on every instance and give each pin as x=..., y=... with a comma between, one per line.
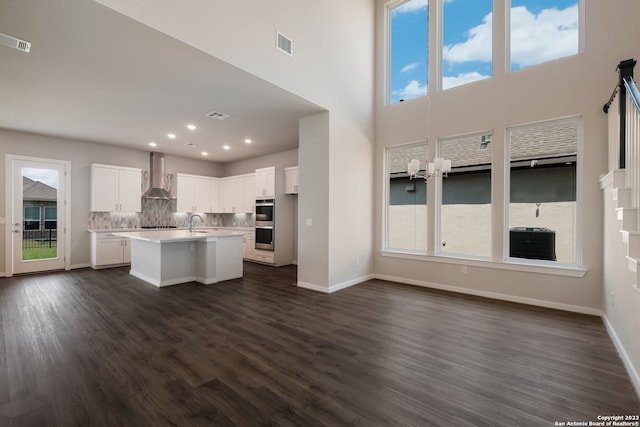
x=461, y=79
x=477, y=47
x=551, y=34
x=409, y=67
x=412, y=90
x=412, y=6
x=539, y=38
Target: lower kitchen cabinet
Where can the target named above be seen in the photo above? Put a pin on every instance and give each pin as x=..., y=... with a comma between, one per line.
x=109, y=250
x=253, y=254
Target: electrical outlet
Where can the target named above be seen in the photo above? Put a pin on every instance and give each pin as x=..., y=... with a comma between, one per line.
x=463, y=269
x=612, y=299
x=358, y=262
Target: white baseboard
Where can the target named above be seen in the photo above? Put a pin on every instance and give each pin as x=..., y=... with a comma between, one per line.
x=76, y=266
x=493, y=295
x=350, y=283
x=334, y=288
x=634, y=376
x=313, y=287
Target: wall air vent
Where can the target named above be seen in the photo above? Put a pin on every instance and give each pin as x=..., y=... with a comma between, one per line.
x=218, y=115
x=284, y=43
x=15, y=43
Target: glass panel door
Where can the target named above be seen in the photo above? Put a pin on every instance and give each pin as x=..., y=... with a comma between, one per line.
x=38, y=199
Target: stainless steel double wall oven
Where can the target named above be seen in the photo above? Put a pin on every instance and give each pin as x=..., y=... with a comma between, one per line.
x=265, y=211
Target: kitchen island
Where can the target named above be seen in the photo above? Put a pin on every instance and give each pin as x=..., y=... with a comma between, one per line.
x=168, y=257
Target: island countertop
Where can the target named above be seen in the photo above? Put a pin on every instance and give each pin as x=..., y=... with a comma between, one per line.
x=160, y=236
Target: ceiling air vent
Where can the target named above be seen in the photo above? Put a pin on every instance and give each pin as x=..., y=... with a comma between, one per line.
x=218, y=115
x=15, y=43
x=284, y=44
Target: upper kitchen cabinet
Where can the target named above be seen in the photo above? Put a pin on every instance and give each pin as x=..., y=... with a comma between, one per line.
x=266, y=183
x=115, y=189
x=196, y=193
x=291, y=180
x=237, y=194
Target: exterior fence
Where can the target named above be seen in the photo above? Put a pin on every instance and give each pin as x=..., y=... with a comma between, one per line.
x=45, y=238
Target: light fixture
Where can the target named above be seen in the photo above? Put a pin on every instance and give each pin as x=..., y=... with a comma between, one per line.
x=171, y=135
x=248, y=141
x=153, y=144
x=204, y=153
x=486, y=140
x=226, y=147
x=439, y=168
x=191, y=126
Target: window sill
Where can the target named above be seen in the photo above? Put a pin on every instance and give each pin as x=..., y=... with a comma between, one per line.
x=559, y=270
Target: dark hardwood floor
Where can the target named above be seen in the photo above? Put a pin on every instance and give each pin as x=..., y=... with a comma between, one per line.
x=87, y=348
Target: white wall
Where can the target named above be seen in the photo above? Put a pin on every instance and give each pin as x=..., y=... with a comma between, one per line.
x=82, y=154
x=332, y=66
x=577, y=85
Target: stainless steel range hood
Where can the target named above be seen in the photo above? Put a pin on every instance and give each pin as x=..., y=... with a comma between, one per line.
x=156, y=178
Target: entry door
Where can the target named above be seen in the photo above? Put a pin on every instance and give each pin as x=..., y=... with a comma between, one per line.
x=38, y=214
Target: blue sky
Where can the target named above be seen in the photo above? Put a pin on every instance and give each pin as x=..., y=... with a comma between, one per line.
x=542, y=30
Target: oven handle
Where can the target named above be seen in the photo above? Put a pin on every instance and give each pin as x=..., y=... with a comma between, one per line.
x=265, y=227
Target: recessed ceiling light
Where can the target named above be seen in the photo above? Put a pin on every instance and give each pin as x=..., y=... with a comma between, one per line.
x=171, y=135
x=204, y=153
x=191, y=145
x=191, y=126
x=226, y=147
x=248, y=141
x=153, y=144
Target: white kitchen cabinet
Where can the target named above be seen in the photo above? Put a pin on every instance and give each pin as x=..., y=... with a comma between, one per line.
x=214, y=195
x=253, y=254
x=260, y=255
x=265, y=183
x=109, y=250
x=115, y=188
x=237, y=194
x=291, y=180
x=248, y=201
x=249, y=244
x=195, y=193
x=228, y=195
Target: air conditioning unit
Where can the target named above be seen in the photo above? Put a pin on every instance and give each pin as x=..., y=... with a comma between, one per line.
x=532, y=243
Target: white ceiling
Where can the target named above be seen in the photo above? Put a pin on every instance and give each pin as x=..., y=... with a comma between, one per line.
x=95, y=75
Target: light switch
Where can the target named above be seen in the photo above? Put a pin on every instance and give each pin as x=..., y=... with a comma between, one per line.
x=309, y=222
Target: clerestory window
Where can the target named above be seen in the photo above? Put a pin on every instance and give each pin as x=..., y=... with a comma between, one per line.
x=543, y=30
x=408, y=32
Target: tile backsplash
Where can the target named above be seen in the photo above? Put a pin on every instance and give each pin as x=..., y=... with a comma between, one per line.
x=162, y=213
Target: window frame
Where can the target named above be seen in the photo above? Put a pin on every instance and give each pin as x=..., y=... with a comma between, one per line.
x=579, y=197
x=388, y=7
x=386, y=198
x=507, y=38
x=440, y=192
x=440, y=48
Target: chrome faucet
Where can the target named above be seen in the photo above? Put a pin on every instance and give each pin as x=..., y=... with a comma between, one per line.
x=191, y=221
